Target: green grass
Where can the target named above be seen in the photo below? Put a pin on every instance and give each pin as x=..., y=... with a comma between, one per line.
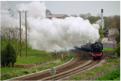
x=104, y=72
x=108, y=49
x=33, y=57
x=113, y=75
x=8, y=72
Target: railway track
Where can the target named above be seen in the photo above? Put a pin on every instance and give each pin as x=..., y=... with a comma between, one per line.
x=61, y=72
x=37, y=76
x=71, y=71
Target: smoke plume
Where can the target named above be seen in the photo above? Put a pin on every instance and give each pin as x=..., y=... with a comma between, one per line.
x=55, y=34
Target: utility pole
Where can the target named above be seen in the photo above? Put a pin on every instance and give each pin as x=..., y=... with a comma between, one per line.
x=25, y=12
x=26, y=30
x=20, y=29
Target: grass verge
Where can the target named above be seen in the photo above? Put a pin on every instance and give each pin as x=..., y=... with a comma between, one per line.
x=104, y=72
x=33, y=57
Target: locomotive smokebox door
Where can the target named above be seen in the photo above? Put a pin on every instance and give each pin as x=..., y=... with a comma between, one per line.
x=97, y=51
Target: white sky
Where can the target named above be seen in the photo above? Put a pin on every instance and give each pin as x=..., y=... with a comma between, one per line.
x=77, y=7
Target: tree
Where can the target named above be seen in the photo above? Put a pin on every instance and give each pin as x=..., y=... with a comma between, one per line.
x=117, y=50
x=115, y=23
x=8, y=56
x=93, y=19
x=101, y=32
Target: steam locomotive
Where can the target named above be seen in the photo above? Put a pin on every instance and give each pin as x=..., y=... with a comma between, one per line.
x=95, y=50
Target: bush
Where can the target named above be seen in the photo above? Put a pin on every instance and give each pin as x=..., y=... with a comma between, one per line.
x=117, y=50
x=8, y=56
x=101, y=32
x=115, y=74
x=25, y=72
x=5, y=76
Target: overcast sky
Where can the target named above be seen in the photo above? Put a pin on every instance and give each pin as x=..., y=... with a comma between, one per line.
x=79, y=7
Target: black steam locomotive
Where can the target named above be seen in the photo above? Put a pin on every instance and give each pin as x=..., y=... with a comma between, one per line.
x=94, y=49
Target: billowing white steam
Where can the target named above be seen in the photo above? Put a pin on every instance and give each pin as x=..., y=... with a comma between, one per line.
x=35, y=9
x=57, y=34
